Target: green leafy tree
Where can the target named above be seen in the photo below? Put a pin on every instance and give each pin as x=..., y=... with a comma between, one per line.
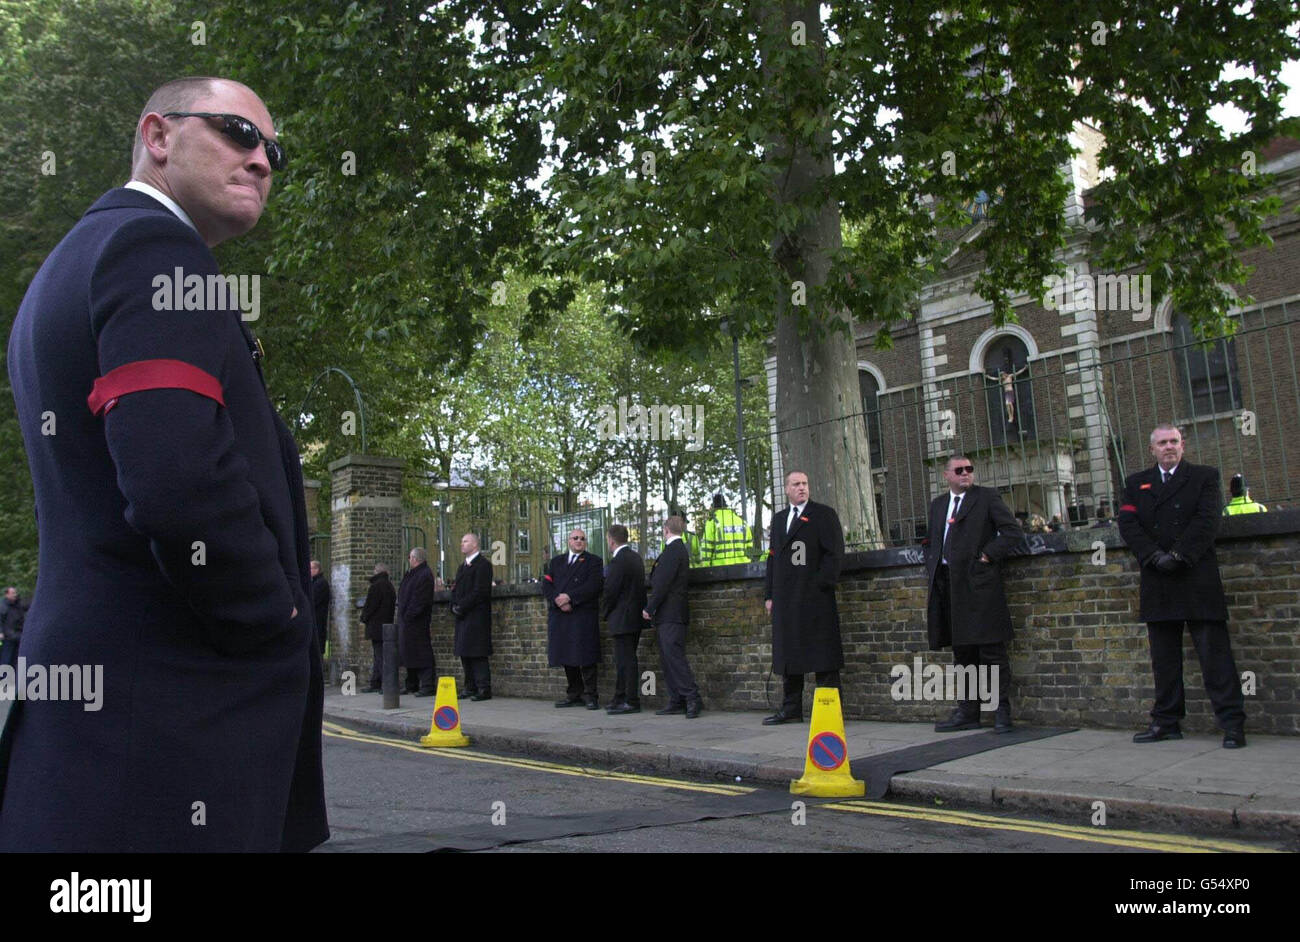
x=709, y=155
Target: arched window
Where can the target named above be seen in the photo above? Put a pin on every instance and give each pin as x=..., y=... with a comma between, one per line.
x=869, y=387
x=1008, y=392
x=1210, y=380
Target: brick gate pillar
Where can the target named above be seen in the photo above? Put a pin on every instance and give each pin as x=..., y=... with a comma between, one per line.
x=365, y=528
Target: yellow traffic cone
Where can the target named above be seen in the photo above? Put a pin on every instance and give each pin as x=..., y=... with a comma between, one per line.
x=444, y=728
x=826, y=771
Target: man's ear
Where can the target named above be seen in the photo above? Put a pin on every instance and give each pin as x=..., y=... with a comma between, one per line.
x=153, y=132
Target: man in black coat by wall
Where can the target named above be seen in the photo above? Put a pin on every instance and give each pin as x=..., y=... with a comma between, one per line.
x=572, y=585
x=621, y=604
x=471, y=604
x=173, y=524
x=320, y=604
x=378, y=610
x=668, y=609
x=805, y=552
x=971, y=532
x=12, y=613
x=1169, y=518
x=414, y=611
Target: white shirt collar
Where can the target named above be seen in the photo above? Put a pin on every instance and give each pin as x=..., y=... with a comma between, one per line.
x=473, y=556
x=669, y=541
x=1170, y=471
x=163, y=198
x=618, y=550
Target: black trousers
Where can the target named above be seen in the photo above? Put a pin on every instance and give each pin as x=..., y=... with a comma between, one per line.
x=377, y=672
x=582, y=682
x=991, y=655
x=792, y=702
x=677, y=670
x=1218, y=669
x=9, y=652
x=478, y=675
x=967, y=654
x=420, y=679
x=627, y=669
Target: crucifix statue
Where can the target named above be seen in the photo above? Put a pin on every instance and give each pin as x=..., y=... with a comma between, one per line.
x=1006, y=378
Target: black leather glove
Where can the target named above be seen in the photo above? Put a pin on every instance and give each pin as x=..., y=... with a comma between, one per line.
x=1166, y=563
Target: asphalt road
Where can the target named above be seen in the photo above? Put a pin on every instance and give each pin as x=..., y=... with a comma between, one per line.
x=388, y=795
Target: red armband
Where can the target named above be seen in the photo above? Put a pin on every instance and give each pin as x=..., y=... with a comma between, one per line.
x=151, y=374
x=1129, y=507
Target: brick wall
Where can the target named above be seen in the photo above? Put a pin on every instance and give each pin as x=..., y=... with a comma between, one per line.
x=1080, y=656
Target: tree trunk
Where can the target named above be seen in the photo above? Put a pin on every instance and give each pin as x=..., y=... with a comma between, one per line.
x=819, y=430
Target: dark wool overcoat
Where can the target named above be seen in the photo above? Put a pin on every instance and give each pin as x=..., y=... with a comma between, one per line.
x=1181, y=516
x=379, y=607
x=977, y=601
x=471, y=598
x=173, y=552
x=803, y=566
x=414, y=610
x=573, y=638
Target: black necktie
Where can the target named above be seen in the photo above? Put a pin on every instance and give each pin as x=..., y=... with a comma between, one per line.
x=1166, y=475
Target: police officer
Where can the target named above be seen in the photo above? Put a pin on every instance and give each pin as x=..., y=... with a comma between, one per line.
x=1241, y=502
x=726, y=538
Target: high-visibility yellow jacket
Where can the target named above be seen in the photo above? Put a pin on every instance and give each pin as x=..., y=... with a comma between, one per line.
x=692, y=547
x=725, y=540
x=1244, y=505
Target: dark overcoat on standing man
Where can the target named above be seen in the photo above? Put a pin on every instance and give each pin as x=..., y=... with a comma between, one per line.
x=320, y=606
x=803, y=567
x=414, y=610
x=1181, y=516
x=173, y=552
x=573, y=638
x=471, y=596
x=379, y=607
x=978, y=611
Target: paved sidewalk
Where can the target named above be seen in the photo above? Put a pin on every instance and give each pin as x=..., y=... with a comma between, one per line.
x=1192, y=783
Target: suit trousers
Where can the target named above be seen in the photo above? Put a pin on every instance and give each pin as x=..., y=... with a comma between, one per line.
x=1218, y=669
x=989, y=655
x=421, y=679
x=377, y=672
x=478, y=675
x=627, y=677
x=792, y=702
x=677, y=670
x=582, y=682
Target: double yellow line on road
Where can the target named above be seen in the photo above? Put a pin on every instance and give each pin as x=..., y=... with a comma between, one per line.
x=1141, y=840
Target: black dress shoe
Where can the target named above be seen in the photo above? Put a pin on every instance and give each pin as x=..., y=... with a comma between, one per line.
x=426, y=693
x=593, y=704
x=1234, y=738
x=780, y=716
x=481, y=696
x=622, y=708
x=671, y=710
x=560, y=704
x=1155, y=733
x=694, y=709
x=959, y=720
x=372, y=689
x=468, y=694
x=1002, y=720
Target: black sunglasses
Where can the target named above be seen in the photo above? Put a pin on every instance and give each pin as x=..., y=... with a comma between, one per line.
x=243, y=132
x=964, y=469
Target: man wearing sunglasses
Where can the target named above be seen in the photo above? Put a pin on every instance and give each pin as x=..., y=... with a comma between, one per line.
x=970, y=533
x=174, y=543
